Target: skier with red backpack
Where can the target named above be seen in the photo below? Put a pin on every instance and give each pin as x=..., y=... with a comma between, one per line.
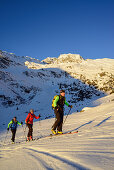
x=58, y=106
x=29, y=123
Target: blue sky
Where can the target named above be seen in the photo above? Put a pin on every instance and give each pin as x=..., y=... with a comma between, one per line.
x=48, y=28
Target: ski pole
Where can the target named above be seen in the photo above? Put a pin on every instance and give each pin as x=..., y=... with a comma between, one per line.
x=24, y=130
x=67, y=116
x=6, y=136
x=39, y=122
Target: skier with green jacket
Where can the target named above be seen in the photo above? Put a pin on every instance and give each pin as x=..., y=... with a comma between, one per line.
x=58, y=103
x=13, y=125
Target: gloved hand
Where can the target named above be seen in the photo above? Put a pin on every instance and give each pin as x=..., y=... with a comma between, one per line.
x=56, y=108
x=39, y=116
x=70, y=106
x=8, y=129
x=22, y=123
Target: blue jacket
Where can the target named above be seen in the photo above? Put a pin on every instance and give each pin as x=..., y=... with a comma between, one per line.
x=13, y=124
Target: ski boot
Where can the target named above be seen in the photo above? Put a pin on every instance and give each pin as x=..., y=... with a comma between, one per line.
x=59, y=132
x=31, y=138
x=28, y=139
x=53, y=131
x=12, y=141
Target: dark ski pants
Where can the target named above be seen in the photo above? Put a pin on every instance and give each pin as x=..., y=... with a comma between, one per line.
x=59, y=120
x=13, y=134
x=30, y=126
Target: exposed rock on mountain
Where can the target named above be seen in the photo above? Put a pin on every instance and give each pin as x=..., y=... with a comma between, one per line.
x=69, y=58
x=64, y=58
x=49, y=60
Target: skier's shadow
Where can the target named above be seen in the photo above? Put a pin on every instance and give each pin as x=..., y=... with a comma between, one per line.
x=81, y=126
x=103, y=121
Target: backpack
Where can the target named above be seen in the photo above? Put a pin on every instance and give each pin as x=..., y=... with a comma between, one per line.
x=13, y=124
x=53, y=101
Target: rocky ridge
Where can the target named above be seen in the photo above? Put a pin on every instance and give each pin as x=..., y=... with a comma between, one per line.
x=64, y=58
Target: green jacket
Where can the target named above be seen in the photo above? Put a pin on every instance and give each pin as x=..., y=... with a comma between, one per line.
x=57, y=99
x=13, y=124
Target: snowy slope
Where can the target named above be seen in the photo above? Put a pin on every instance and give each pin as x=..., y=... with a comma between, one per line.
x=91, y=148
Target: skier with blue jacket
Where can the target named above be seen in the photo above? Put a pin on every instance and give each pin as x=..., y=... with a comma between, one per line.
x=13, y=125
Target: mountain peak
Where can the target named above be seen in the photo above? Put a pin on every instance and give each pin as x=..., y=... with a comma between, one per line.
x=64, y=58
x=68, y=58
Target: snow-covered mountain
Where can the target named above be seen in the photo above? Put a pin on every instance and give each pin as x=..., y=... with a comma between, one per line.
x=27, y=83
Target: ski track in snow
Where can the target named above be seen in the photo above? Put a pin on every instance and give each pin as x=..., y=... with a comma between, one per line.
x=40, y=159
x=51, y=158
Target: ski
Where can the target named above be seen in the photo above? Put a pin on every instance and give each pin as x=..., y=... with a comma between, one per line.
x=66, y=133
x=53, y=135
x=42, y=137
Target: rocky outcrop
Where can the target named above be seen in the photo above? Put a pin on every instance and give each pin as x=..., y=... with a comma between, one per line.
x=69, y=58
x=64, y=58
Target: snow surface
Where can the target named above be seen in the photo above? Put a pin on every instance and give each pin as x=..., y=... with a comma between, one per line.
x=91, y=148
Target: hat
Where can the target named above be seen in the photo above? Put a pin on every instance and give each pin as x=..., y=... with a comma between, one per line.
x=31, y=110
x=62, y=91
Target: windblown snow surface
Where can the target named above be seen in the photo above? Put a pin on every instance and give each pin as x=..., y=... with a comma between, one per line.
x=91, y=148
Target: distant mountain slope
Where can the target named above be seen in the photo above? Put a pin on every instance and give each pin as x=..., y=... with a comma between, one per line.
x=98, y=73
